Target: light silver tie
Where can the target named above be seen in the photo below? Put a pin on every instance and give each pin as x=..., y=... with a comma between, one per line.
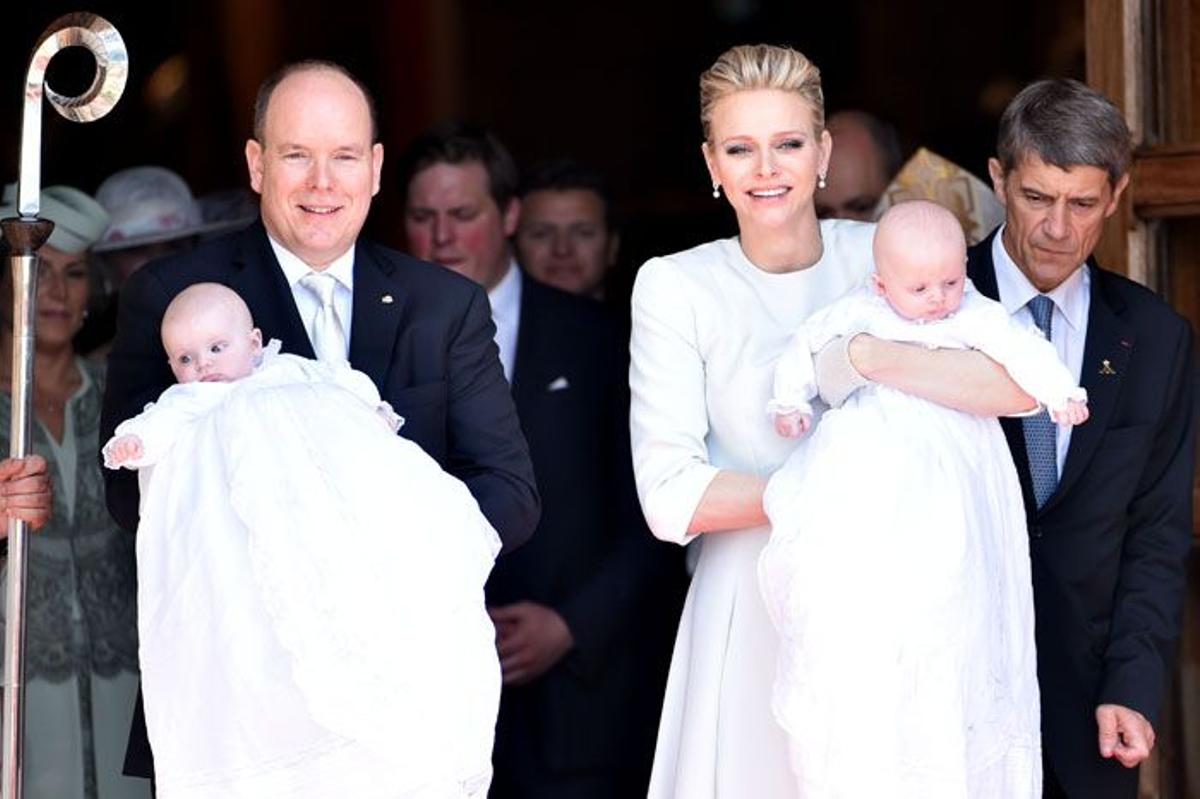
x=328, y=340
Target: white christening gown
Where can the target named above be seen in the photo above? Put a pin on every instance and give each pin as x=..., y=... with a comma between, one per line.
x=310, y=595
x=897, y=574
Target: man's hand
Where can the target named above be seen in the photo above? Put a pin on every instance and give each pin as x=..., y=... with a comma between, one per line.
x=24, y=491
x=1075, y=412
x=530, y=638
x=1124, y=734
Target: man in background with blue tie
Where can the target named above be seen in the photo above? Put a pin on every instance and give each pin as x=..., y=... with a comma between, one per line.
x=423, y=335
x=1108, y=503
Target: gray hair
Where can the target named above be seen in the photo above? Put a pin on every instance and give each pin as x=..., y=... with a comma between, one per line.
x=1066, y=124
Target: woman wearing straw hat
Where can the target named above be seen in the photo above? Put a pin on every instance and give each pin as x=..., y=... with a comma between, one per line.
x=81, y=645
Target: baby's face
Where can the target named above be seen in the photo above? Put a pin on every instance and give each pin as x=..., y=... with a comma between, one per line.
x=211, y=346
x=922, y=286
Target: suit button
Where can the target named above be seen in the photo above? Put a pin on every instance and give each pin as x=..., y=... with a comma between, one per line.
x=1035, y=531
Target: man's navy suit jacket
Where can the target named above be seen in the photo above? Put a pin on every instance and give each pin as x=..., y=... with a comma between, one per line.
x=1109, y=545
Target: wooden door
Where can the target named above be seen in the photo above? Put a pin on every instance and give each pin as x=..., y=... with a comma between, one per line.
x=1145, y=55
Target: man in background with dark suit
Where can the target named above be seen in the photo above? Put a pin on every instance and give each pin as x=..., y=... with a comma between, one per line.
x=424, y=336
x=585, y=613
x=1109, y=502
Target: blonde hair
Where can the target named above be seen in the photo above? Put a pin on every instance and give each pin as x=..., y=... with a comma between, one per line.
x=761, y=66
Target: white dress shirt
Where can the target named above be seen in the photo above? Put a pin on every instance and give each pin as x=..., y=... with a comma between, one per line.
x=342, y=270
x=1068, y=327
x=505, y=299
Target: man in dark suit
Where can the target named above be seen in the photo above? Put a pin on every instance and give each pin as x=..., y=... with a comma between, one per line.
x=585, y=613
x=1109, y=502
x=424, y=336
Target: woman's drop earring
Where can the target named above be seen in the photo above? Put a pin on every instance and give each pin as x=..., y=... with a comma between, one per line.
x=821, y=181
x=716, y=190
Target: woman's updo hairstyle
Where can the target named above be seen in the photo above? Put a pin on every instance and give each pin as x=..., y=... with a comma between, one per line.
x=760, y=66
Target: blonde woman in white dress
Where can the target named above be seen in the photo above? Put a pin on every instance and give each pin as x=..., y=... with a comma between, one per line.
x=708, y=325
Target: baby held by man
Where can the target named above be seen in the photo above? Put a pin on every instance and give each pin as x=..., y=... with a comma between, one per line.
x=310, y=601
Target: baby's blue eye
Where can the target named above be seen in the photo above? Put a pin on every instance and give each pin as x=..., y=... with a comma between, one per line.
x=216, y=348
x=185, y=359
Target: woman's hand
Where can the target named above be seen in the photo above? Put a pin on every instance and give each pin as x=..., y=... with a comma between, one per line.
x=25, y=491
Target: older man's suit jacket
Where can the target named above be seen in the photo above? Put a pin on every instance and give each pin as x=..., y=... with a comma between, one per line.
x=1108, y=547
x=423, y=334
x=592, y=559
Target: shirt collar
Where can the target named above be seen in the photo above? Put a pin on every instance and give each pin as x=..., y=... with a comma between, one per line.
x=505, y=296
x=1016, y=291
x=294, y=269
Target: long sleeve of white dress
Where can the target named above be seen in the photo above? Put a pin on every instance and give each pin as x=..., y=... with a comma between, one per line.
x=668, y=416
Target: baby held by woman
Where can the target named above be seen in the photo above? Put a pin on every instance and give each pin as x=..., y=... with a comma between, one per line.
x=898, y=567
x=310, y=599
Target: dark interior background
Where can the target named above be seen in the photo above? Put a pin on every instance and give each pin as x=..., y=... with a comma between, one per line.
x=611, y=83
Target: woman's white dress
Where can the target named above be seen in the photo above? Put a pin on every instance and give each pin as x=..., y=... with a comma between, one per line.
x=708, y=327
x=898, y=574
x=310, y=599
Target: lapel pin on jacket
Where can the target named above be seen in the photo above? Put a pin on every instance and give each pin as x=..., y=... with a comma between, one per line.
x=558, y=384
x=1106, y=367
x=386, y=299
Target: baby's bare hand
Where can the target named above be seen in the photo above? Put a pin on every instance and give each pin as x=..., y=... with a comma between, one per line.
x=1075, y=412
x=793, y=425
x=123, y=450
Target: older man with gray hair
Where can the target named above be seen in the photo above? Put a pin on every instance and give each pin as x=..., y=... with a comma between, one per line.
x=1108, y=503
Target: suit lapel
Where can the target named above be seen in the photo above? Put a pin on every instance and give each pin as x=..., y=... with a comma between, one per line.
x=258, y=279
x=1109, y=344
x=379, y=302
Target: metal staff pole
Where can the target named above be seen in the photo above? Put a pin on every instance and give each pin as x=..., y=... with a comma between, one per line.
x=24, y=235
